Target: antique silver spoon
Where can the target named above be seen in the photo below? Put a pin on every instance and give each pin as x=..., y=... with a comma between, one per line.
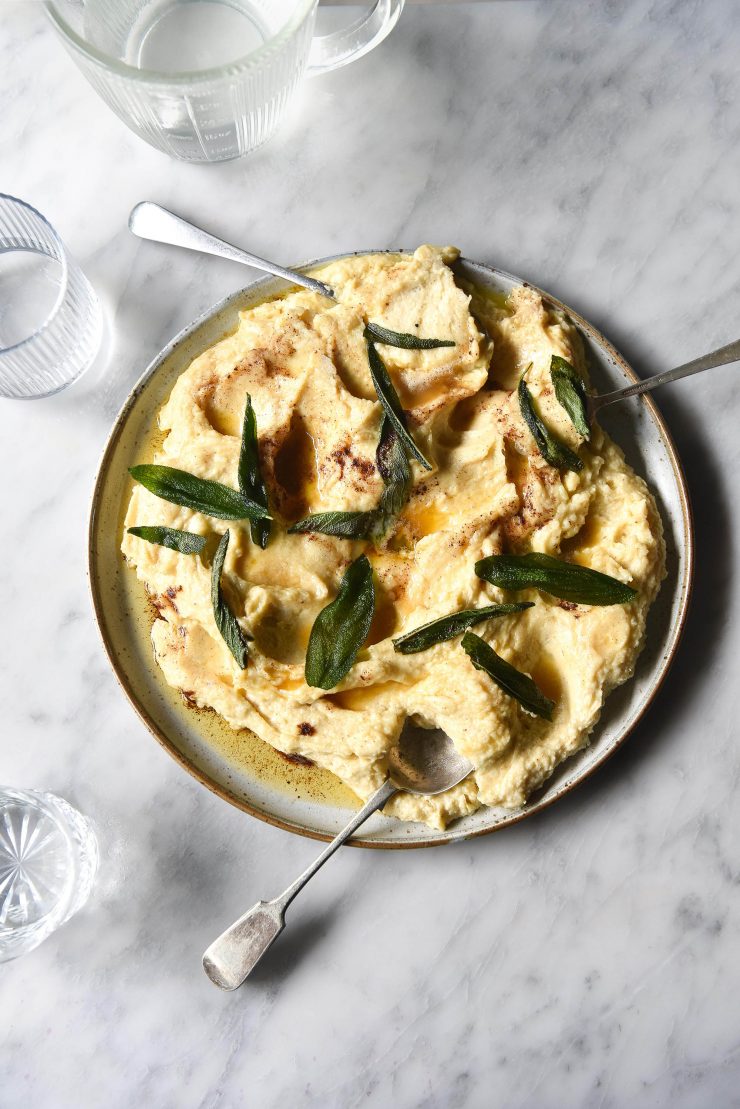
x=425, y=762
x=150, y=221
x=722, y=357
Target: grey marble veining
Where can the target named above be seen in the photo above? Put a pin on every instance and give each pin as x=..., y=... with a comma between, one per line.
x=587, y=957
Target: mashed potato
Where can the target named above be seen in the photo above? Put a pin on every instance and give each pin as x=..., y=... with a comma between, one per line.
x=304, y=362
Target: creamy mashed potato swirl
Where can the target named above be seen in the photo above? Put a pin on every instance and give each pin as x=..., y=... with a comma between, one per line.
x=303, y=360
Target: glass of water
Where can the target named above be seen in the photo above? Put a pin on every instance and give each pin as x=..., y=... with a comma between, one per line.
x=51, y=323
x=48, y=860
x=208, y=80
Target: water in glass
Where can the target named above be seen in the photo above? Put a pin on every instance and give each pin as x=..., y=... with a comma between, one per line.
x=179, y=35
x=199, y=107
x=29, y=283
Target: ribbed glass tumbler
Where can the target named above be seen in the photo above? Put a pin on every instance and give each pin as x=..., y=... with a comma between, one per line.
x=51, y=323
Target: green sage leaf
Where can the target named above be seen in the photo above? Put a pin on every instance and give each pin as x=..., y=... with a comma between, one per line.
x=341, y=628
x=186, y=542
x=448, y=627
x=251, y=484
x=346, y=525
x=567, y=580
x=391, y=457
x=393, y=464
x=518, y=685
x=555, y=452
x=231, y=633
x=402, y=339
x=570, y=390
x=390, y=401
x=209, y=497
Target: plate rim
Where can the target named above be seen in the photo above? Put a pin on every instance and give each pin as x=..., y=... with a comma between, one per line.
x=678, y=627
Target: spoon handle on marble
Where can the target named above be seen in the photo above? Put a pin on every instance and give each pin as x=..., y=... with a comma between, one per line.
x=151, y=221
x=724, y=356
x=236, y=952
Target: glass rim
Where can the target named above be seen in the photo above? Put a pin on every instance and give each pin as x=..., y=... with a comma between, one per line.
x=155, y=76
x=64, y=279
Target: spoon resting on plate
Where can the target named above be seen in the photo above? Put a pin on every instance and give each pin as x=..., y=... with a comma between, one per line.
x=151, y=221
x=724, y=356
x=425, y=762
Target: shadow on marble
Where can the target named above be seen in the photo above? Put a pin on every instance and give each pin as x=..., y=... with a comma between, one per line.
x=301, y=937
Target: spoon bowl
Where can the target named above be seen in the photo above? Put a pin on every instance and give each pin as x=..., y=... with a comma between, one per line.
x=426, y=761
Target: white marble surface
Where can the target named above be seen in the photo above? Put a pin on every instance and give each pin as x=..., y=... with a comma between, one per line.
x=587, y=957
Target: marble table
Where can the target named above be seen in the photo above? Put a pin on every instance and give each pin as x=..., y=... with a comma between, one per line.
x=588, y=957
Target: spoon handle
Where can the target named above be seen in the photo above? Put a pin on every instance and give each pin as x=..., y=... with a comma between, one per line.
x=722, y=357
x=236, y=952
x=151, y=221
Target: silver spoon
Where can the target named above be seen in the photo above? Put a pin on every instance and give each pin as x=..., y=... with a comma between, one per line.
x=722, y=357
x=425, y=762
x=150, y=221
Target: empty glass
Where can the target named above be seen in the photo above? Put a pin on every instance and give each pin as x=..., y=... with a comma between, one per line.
x=48, y=860
x=207, y=80
x=51, y=323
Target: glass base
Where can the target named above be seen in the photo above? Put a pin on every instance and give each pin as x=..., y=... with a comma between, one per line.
x=48, y=860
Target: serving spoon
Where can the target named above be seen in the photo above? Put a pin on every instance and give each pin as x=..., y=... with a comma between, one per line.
x=151, y=221
x=425, y=762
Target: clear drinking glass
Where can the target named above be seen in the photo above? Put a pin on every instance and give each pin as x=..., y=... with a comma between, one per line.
x=51, y=323
x=48, y=860
x=207, y=80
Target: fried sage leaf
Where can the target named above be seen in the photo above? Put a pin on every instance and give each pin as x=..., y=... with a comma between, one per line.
x=186, y=542
x=232, y=634
x=390, y=401
x=341, y=628
x=347, y=525
x=393, y=464
x=518, y=685
x=555, y=452
x=570, y=390
x=448, y=627
x=250, y=479
x=567, y=580
x=209, y=497
x=402, y=339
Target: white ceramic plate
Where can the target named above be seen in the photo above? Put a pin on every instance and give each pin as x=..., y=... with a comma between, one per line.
x=238, y=766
